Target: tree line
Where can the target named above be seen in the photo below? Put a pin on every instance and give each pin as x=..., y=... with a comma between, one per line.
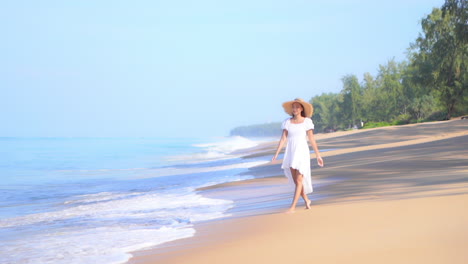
x=431, y=84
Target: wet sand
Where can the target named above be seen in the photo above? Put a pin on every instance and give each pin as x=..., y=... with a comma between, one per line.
x=386, y=195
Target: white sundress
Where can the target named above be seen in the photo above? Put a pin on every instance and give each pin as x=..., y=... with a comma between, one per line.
x=297, y=153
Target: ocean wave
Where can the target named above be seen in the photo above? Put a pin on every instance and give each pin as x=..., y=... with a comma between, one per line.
x=100, y=213
x=131, y=205
x=105, y=227
x=229, y=144
x=110, y=245
x=171, y=171
x=223, y=148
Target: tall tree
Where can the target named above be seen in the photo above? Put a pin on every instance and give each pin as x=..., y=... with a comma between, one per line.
x=352, y=97
x=326, y=112
x=372, y=100
x=441, y=53
x=390, y=81
x=458, y=9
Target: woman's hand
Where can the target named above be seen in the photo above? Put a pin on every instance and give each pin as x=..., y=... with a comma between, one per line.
x=320, y=161
x=280, y=144
x=274, y=158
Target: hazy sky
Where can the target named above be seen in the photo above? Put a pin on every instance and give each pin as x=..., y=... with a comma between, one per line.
x=185, y=68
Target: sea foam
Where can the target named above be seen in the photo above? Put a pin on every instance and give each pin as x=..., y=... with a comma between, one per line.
x=91, y=205
x=106, y=227
x=222, y=148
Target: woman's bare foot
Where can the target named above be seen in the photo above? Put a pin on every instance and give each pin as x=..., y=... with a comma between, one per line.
x=308, y=204
x=290, y=211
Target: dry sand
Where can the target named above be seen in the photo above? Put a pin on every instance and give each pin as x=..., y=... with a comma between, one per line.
x=423, y=230
x=387, y=195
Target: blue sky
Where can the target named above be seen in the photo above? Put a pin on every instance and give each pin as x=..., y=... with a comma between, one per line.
x=185, y=68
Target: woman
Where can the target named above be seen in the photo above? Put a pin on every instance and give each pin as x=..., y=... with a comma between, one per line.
x=296, y=161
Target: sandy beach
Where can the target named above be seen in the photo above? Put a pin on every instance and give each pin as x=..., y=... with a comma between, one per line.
x=386, y=195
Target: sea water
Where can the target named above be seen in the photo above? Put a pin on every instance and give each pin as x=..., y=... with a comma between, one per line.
x=95, y=200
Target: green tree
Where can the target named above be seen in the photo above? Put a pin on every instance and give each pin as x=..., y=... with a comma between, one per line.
x=372, y=108
x=423, y=106
x=352, y=97
x=390, y=80
x=440, y=53
x=458, y=9
x=326, y=112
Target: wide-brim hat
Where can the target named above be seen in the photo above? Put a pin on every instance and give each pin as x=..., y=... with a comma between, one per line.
x=308, y=108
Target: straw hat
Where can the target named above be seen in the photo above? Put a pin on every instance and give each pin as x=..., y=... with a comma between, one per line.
x=308, y=108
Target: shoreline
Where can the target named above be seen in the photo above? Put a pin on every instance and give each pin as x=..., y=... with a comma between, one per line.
x=393, y=172
x=397, y=231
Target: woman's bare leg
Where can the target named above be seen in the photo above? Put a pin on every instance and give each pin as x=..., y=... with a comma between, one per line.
x=297, y=177
x=303, y=195
x=306, y=199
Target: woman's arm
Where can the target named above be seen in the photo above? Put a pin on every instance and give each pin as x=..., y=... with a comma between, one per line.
x=280, y=144
x=310, y=135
